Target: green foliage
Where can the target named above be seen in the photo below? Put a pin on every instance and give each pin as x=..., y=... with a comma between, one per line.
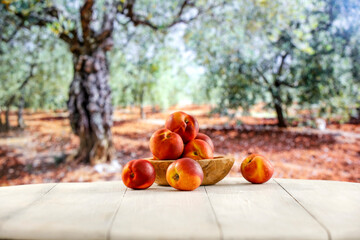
x=280, y=52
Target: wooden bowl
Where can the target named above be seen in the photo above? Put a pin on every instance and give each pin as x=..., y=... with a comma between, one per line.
x=214, y=169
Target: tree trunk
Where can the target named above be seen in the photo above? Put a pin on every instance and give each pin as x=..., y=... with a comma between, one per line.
x=90, y=107
x=7, y=121
x=278, y=108
x=280, y=115
x=21, y=123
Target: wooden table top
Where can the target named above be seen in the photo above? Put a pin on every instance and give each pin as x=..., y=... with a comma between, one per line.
x=231, y=209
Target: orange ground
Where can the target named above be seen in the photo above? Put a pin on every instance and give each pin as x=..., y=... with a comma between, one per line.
x=38, y=153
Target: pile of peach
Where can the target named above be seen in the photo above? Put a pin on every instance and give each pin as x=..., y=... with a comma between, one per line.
x=180, y=140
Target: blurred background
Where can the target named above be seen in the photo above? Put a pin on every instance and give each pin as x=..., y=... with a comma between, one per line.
x=84, y=84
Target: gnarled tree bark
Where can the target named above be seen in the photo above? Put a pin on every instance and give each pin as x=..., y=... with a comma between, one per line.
x=90, y=106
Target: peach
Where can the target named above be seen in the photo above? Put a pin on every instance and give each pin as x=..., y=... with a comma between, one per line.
x=138, y=174
x=207, y=139
x=165, y=144
x=256, y=169
x=184, y=174
x=198, y=149
x=183, y=124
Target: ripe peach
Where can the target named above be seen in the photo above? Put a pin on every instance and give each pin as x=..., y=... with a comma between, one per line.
x=256, y=169
x=198, y=149
x=138, y=174
x=184, y=174
x=207, y=139
x=183, y=124
x=165, y=144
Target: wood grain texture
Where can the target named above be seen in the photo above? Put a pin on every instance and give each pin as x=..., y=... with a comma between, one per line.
x=260, y=211
x=335, y=204
x=68, y=211
x=165, y=213
x=214, y=169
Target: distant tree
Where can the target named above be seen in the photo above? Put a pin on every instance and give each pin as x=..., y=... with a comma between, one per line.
x=326, y=77
x=27, y=69
x=279, y=52
x=147, y=72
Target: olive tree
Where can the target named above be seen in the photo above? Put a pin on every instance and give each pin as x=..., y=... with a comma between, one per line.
x=87, y=28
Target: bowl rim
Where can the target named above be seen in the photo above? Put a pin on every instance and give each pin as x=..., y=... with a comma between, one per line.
x=216, y=158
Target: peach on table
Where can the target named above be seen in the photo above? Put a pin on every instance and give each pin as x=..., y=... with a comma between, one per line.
x=256, y=168
x=185, y=174
x=138, y=174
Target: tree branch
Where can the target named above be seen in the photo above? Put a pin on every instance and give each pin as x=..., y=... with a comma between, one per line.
x=51, y=14
x=86, y=13
x=283, y=57
x=138, y=19
x=108, y=22
x=279, y=72
x=23, y=84
x=263, y=76
x=181, y=11
x=12, y=35
x=128, y=11
x=199, y=13
x=289, y=84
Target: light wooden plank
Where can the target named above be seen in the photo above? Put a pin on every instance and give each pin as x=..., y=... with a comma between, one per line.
x=260, y=211
x=68, y=211
x=165, y=213
x=14, y=199
x=334, y=204
x=243, y=211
